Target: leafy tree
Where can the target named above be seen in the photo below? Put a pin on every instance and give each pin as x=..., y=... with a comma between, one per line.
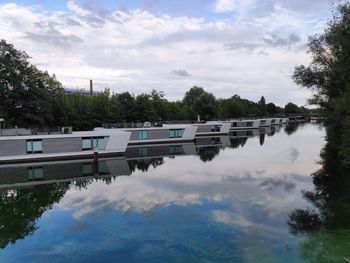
x=201, y=102
x=28, y=96
x=328, y=76
x=271, y=109
x=262, y=105
x=144, y=109
x=291, y=108
x=192, y=95
x=127, y=106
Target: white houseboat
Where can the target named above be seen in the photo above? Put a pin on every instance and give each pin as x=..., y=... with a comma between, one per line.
x=70, y=145
x=158, y=135
x=265, y=122
x=242, y=124
x=210, y=128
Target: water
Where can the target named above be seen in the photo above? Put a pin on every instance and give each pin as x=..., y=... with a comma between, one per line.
x=228, y=202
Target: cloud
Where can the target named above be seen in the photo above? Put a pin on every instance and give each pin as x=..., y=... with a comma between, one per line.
x=223, y=6
x=241, y=45
x=180, y=73
x=54, y=37
x=131, y=49
x=277, y=41
x=293, y=154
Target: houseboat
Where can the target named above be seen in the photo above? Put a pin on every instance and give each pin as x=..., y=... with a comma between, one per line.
x=210, y=128
x=265, y=122
x=158, y=135
x=67, y=145
x=243, y=124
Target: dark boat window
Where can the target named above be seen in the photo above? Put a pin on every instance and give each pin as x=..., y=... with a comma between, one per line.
x=176, y=133
x=34, y=146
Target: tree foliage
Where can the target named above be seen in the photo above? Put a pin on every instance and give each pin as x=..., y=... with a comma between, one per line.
x=328, y=75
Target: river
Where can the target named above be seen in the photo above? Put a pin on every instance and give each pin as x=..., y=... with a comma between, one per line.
x=219, y=200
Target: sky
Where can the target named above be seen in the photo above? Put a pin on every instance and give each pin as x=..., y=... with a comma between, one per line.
x=228, y=47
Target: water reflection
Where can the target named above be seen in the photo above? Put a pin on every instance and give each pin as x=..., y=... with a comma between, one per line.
x=218, y=199
x=326, y=222
x=21, y=208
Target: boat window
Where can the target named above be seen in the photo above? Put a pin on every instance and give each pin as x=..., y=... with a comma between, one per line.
x=249, y=124
x=234, y=124
x=86, y=144
x=91, y=143
x=35, y=173
x=143, y=151
x=143, y=135
x=176, y=150
x=273, y=121
x=215, y=128
x=102, y=143
x=100, y=168
x=87, y=169
x=262, y=122
x=215, y=140
x=176, y=133
x=34, y=146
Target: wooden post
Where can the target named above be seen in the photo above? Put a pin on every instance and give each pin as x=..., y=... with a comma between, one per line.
x=96, y=161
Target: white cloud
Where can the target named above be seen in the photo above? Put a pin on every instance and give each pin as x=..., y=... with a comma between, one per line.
x=222, y=6
x=135, y=50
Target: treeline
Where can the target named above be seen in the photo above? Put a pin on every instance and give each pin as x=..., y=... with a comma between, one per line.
x=32, y=98
x=328, y=76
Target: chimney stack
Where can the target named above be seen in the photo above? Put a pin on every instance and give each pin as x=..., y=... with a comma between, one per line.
x=91, y=87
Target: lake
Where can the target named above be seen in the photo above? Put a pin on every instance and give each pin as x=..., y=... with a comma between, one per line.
x=218, y=200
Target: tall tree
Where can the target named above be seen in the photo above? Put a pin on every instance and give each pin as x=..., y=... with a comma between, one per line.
x=28, y=96
x=328, y=76
x=262, y=105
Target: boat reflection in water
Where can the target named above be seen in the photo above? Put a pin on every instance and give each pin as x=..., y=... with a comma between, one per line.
x=29, y=174
x=28, y=190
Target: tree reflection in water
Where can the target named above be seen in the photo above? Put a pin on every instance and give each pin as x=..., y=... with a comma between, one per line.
x=208, y=153
x=327, y=224
x=144, y=164
x=20, y=209
x=291, y=128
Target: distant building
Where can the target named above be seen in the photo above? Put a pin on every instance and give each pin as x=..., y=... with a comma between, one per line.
x=76, y=90
x=83, y=91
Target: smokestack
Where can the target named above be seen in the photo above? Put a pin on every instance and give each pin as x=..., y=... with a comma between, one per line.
x=91, y=87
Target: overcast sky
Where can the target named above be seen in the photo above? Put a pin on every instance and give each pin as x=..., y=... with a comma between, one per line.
x=245, y=47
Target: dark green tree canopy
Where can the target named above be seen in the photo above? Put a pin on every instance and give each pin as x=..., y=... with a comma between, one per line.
x=28, y=96
x=328, y=76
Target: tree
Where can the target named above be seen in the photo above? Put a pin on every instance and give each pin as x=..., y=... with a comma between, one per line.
x=271, y=109
x=127, y=106
x=201, y=102
x=192, y=95
x=29, y=96
x=262, y=105
x=291, y=108
x=328, y=76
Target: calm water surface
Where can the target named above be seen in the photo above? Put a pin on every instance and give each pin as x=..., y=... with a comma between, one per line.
x=189, y=203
